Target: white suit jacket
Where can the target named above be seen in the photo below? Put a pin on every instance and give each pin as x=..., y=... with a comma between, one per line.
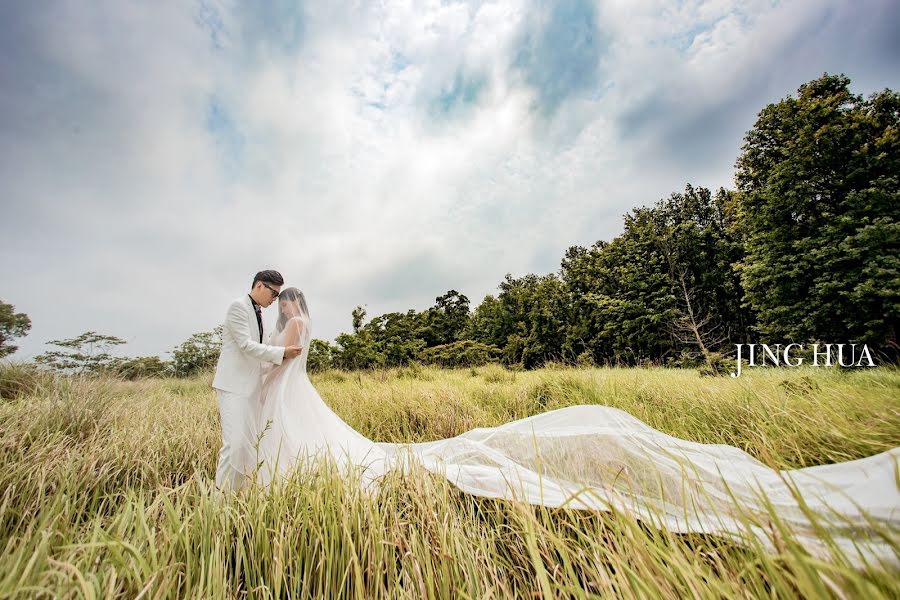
x=242, y=356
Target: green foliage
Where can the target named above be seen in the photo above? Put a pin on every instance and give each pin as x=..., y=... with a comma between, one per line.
x=396, y=337
x=700, y=248
x=464, y=353
x=527, y=319
x=400, y=351
x=140, y=367
x=356, y=351
x=320, y=356
x=87, y=353
x=665, y=285
x=622, y=300
x=359, y=314
x=585, y=360
x=446, y=321
x=819, y=209
x=198, y=353
x=12, y=325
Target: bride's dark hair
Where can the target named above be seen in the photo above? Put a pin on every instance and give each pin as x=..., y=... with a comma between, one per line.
x=290, y=294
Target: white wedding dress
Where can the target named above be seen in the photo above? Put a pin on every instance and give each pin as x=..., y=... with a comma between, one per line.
x=597, y=457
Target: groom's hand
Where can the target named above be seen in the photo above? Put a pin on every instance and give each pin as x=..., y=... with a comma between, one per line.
x=292, y=351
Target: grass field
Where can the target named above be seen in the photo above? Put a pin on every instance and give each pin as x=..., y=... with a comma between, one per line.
x=105, y=491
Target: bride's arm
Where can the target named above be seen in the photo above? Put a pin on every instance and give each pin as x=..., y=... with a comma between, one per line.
x=292, y=337
x=292, y=332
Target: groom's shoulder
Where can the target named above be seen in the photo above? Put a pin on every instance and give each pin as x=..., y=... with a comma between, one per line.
x=237, y=303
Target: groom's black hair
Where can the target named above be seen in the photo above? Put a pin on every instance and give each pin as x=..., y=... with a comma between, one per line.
x=273, y=277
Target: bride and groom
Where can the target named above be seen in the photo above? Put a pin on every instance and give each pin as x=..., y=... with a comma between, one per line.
x=271, y=414
x=587, y=456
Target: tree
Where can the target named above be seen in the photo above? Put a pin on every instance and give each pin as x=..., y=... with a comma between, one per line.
x=320, y=357
x=819, y=208
x=700, y=252
x=620, y=295
x=447, y=319
x=356, y=350
x=359, y=315
x=670, y=273
x=198, y=353
x=397, y=337
x=87, y=353
x=463, y=353
x=12, y=325
x=139, y=367
x=526, y=320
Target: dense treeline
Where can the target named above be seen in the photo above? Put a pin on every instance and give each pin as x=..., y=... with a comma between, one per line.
x=806, y=249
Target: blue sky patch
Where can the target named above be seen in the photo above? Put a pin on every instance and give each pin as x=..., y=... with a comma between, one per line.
x=462, y=94
x=228, y=138
x=560, y=51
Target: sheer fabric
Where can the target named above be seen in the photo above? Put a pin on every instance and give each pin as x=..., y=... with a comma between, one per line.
x=598, y=457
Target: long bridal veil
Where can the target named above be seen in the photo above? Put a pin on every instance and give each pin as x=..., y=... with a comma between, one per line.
x=598, y=457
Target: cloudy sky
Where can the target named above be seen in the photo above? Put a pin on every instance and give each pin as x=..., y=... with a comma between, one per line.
x=154, y=155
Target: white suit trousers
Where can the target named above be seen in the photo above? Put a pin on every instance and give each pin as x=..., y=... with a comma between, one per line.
x=237, y=457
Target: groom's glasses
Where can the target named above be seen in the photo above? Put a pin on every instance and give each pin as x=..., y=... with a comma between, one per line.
x=274, y=293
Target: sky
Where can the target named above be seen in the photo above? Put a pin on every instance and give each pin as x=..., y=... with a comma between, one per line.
x=155, y=155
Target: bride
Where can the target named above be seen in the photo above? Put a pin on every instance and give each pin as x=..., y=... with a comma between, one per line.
x=596, y=457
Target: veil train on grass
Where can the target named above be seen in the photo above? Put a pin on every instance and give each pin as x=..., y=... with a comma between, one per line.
x=602, y=458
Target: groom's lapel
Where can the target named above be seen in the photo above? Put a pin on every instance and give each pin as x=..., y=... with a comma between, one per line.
x=249, y=304
x=259, y=324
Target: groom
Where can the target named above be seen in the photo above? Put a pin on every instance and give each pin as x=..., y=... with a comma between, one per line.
x=238, y=378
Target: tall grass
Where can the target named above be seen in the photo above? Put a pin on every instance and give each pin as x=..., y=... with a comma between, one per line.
x=105, y=491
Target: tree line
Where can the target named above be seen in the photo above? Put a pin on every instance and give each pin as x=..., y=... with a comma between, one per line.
x=805, y=249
